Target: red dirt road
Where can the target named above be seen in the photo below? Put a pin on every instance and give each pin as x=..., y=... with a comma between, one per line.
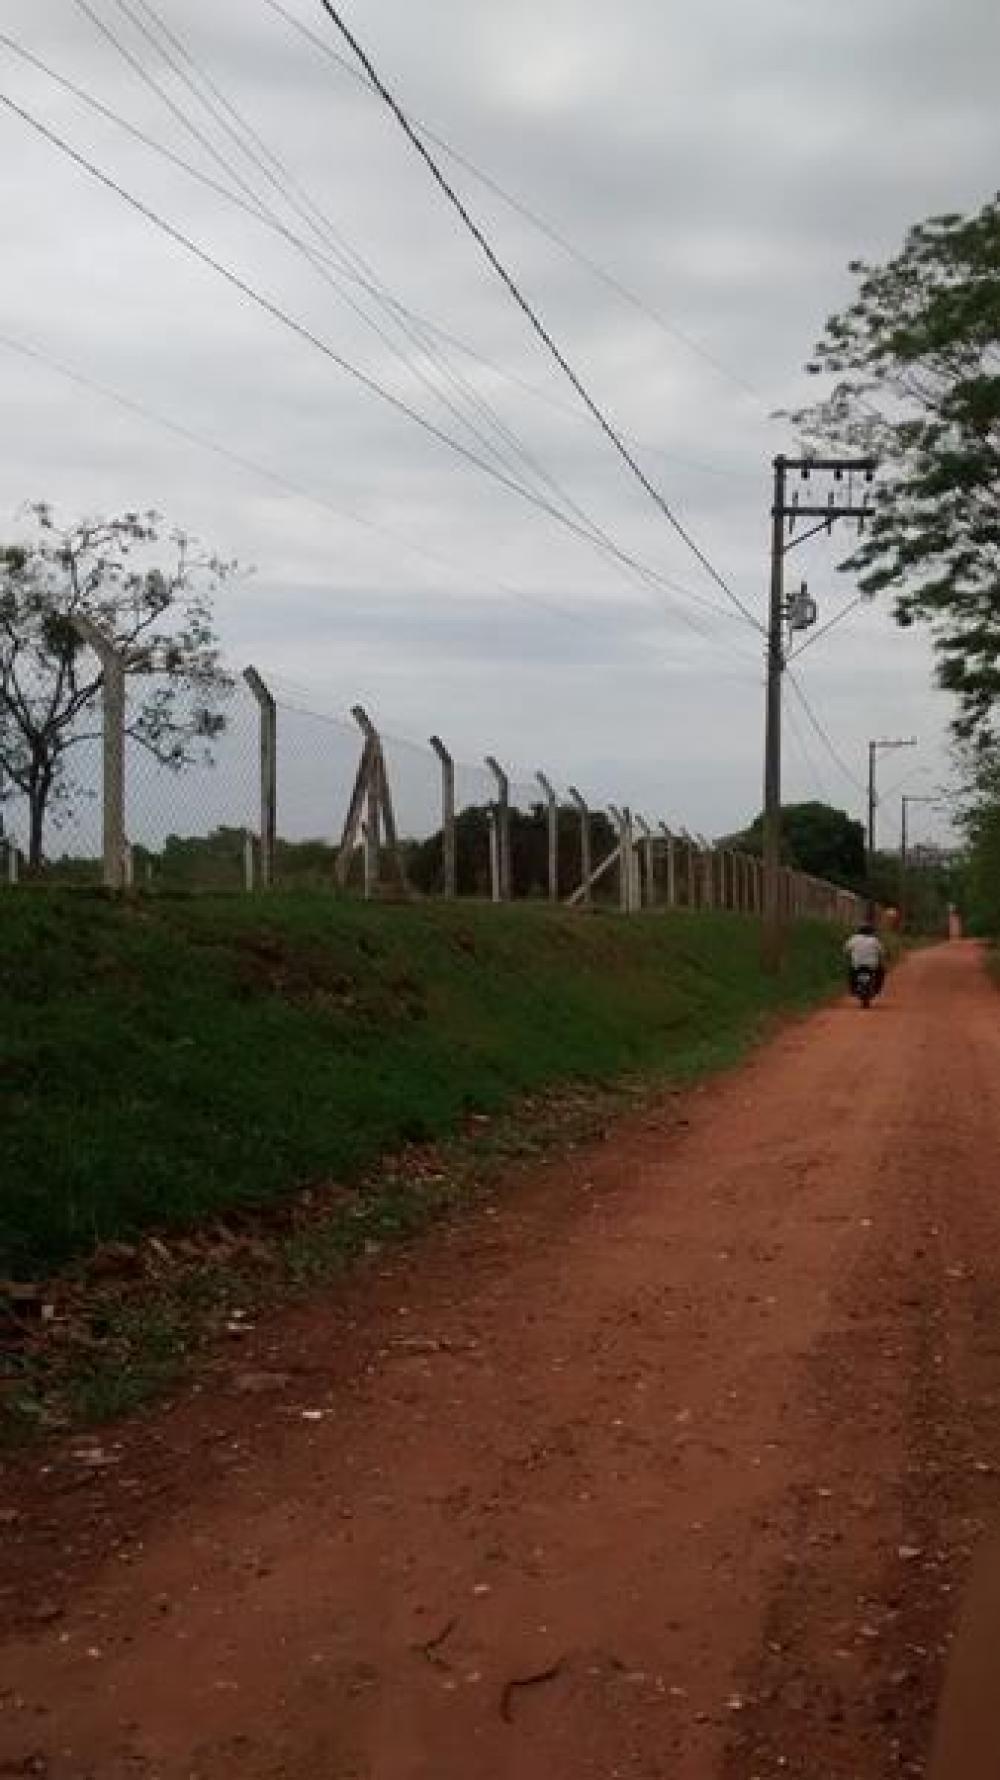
x=669, y=1464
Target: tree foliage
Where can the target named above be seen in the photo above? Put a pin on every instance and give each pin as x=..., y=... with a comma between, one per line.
x=916, y=363
x=979, y=818
x=818, y=839
x=150, y=590
x=528, y=846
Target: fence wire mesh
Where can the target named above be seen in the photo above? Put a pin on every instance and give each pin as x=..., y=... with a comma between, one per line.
x=199, y=822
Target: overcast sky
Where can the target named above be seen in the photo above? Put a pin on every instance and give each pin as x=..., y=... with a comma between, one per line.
x=722, y=160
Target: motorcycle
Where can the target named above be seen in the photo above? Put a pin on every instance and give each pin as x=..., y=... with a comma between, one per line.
x=865, y=984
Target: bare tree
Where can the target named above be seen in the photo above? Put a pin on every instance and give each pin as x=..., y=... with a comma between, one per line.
x=151, y=589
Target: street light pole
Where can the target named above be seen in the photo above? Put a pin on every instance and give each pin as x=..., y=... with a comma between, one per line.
x=907, y=798
x=874, y=749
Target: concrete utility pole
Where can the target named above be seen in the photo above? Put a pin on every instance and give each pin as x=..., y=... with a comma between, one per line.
x=874, y=750
x=787, y=512
x=905, y=801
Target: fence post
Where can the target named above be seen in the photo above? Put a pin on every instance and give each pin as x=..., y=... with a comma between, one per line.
x=690, y=873
x=647, y=859
x=268, y=720
x=624, y=863
x=113, y=744
x=708, y=870
x=671, y=867
x=503, y=876
x=634, y=878
x=248, y=860
x=11, y=860
x=585, y=866
x=491, y=817
x=447, y=816
x=553, y=824
x=371, y=826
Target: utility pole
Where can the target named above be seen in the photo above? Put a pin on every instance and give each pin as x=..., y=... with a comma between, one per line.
x=907, y=798
x=785, y=513
x=772, y=723
x=874, y=750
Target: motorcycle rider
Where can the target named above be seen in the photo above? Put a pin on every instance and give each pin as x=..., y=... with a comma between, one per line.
x=865, y=951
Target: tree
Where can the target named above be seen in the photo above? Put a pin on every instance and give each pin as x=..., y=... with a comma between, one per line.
x=916, y=359
x=818, y=839
x=529, y=848
x=150, y=590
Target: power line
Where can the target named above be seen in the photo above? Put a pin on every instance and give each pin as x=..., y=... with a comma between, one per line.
x=274, y=310
x=531, y=314
x=808, y=760
x=356, y=266
x=175, y=110
x=277, y=478
x=830, y=746
x=831, y=623
x=259, y=208
x=635, y=567
x=532, y=216
x=352, y=266
x=525, y=457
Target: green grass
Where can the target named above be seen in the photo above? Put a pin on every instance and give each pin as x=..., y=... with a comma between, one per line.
x=166, y=1061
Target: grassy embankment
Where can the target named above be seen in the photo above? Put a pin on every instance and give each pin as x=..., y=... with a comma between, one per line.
x=171, y=1061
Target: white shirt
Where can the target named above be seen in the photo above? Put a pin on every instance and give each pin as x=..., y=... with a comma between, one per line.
x=864, y=951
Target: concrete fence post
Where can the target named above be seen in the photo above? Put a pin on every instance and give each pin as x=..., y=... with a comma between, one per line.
x=624, y=864
x=552, y=814
x=447, y=817
x=11, y=861
x=634, y=884
x=113, y=744
x=671, y=866
x=491, y=817
x=268, y=721
x=585, y=862
x=503, y=872
x=690, y=872
x=708, y=868
x=248, y=860
x=373, y=797
x=646, y=845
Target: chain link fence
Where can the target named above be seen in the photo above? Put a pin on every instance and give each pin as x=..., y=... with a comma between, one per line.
x=291, y=796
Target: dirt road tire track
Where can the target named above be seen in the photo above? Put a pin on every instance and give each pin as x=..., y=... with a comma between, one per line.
x=669, y=1464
